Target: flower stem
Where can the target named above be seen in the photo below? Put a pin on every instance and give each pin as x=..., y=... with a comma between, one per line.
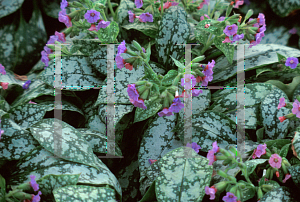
x=151, y=72
x=111, y=10
x=208, y=43
x=103, y=14
x=217, y=3
x=161, y=7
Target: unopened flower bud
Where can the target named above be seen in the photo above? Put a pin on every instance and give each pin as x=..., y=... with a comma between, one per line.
x=226, y=153
x=233, y=190
x=145, y=94
x=221, y=157
x=252, y=22
x=221, y=173
x=198, y=59
x=22, y=195
x=227, y=161
x=141, y=89
x=285, y=162
x=170, y=97
x=266, y=187
x=74, y=14
x=259, y=193
x=140, y=83
x=137, y=45
x=221, y=186
x=290, y=115
x=277, y=174
x=249, y=14
x=100, y=5
x=131, y=53
x=231, y=178
x=199, y=73
x=251, y=31
x=130, y=60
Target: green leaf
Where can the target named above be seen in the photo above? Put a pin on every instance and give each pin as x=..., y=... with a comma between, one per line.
x=284, y=7
x=150, y=194
x=226, y=48
x=294, y=171
x=4, y=105
x=262, y=70
x=8, y=7
x=248, y=193
x=274, y=129
x=50, y=182
x=51, y=7
x=122, y=12
x=9, y=77
x=143, y=114
x=251, y=165
x=173, y=30
x=284, y=150
x=149, y=29
x=279, y=194
x=28, y=114
x=84, y=193
x=211, y=29
x=260, y=134
x=108, y=34
x=73, y=146
x=169, y=77
x=2, y=183
x=178, y=64
x=120, y=112
x=201, y=35
x=192, y=173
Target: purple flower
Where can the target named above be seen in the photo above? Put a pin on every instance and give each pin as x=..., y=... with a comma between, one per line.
x=1, y=132
x=254, y=25
x=138, y=3
x=37, y=197
x=26, y=84
x=92, y=16
x=139, y=103
x=151, y=161
x=122, y=48
x=176, y=106
x=60, y=36
x=146, y=17
x=215, y=148
x=186, y=81
x=102, y=24
x=291, y=62
x=281, y=103
x=261, y=19
x=33, y=183
x=247, y=2
x=287, y=176
x=62, y=17
x=237, y=37
x=293, y=31
x=120, y=61
x=202, y=17
x=296, y=107
x=2, y=69
x=221, y=18
x=211, y=191
x=275, y=161
x=262, y=29
x=194, y=146
x=175, y=3
x=230, y=29
x=260, y=150
x=45, y=59
x=259, y=37
x=64, y=4
x=143, y=49
x=165, y=112
x=52, y=39
x=238, y=3
x=132, y=92
x=230, y=197
x=131, y=16
x=48, y=50
x=196, y=93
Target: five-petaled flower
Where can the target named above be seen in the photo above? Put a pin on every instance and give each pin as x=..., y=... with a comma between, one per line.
x=275, y=161
x=194, y=146
x=188, y=81
x=259, y=151
x=165, y=112
x=4, y=85
x=211, y=191
x=102, y=24
x=230, y=30
x=291, y=62
x=230, y=197
x=92, y=16
x=2, y=69
x=176, y=106
x=145, y=17
x=281, y=103
x=296, y=108
x=26, y=84
x=138, y=3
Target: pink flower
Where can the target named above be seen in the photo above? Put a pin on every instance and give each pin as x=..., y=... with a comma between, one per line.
x=202, y=4
x=138, y=103
x=282, y=118
x=1, y=132
x=293, y=31
x=151, y=161
x=166, y=5
x=92, y=16
x=194, y=146
x=102, y=24
x=62, y=17
x=2, y=69
x=93, y=28
x=131, y=16
x=211, y=157
x=120, y=61
x=275, y=161
x=202, y=17
x=31, y=102
x=215, y=148
x=132, y=92
x=287, y=176
x=36, y=198
x=281, y=103
x=296, y=108
x=238, y=3
x=60, y=36
x=64, y=4
x=186, y=81
x=221, y=18
x=4, y=85
x=211, y=191
x=227, y=40
x=176, y=106
x=165, y=112
x=260, y=150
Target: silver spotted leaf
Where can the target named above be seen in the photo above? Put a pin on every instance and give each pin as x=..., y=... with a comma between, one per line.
x=284, y=7
x=208, y=127
x=119, y=112
x=143, y=114
x=275, y=35
x=97, y=141
x=108, y=34
x=94, y=123
x=84, y=193
x=28, y=114
x=149, y=29
x=296, y=144
x=253, y=95
x=255, y=57
x=173, y=30
x=226, y=48
x=201, y=35
x=281, y=194
x=66, y=106
x=4, y=104
x=72, y=145
x=294, y=171
x=75, y=73
x=40, y=162
x=122, y=79
x=8, y=7
x=157, y=140
x=251, y=165
x=9, y=77
x=15, y=142
x=122, y=13
x=182, y=178
x=50, y=182
x=274, y=129
x=36, y=88
x=211, y=29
